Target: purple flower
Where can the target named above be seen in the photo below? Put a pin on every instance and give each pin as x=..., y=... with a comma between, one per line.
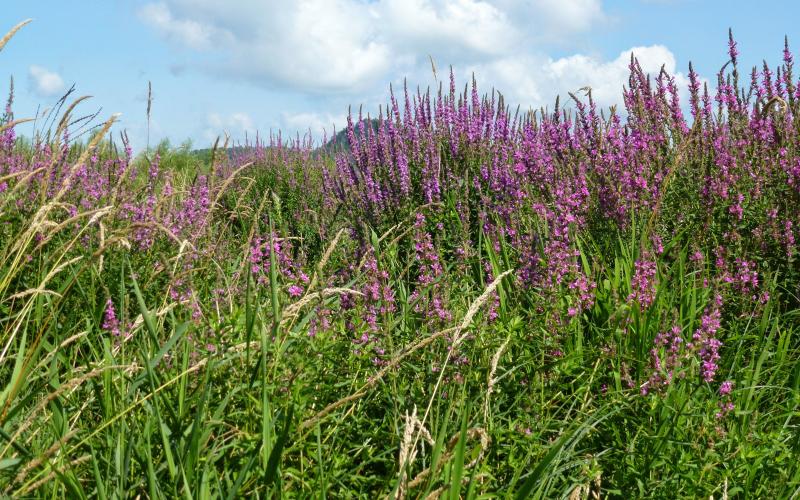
x=643, y=283
x=706, y=343
x=110, y=321
x=733, y=52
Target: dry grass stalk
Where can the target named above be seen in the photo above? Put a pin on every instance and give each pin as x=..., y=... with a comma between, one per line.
x=475, y=432
x=214, y=152
x=476, y=305
x=19, y=248
x=197, y=366
x=580, y=492
x=139, y=321
x=407, y=453
x=160, y=227
x=67, y=386
x=682, y=149
x=491, y=380
x=241, y=205
x=771, y=102
x=34, y=291
x=401, y=235
x=67, y=182
x=60, y=347
x=10, y=195
x=598, y=483
x=252, y=232
x=459, y=336
x=54, y=228
x=15, y=174
x=325, y=258
x=372, y=381
x=407, y=220
x=149, y=107
x=292, y=310
x=725, y=491
x=64, y=122
x=116, y=239
x=118, y=186
x=11, y=33
x=225, y=186
x=49, y=477
x=96, y=214
x=183, y=245
x=14, y=123
x=39, y=222
x=36, y=462
x=102, y=255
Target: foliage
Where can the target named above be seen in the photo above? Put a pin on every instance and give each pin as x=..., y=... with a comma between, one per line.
x=460, y=302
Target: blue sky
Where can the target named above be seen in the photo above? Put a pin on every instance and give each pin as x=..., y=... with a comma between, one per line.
x=244, y=65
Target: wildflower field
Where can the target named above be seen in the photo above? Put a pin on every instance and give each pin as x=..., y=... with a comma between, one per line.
x=457, y=299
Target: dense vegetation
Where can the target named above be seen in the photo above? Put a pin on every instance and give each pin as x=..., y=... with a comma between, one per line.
x=464, y=301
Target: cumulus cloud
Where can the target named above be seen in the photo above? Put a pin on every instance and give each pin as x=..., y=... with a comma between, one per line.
x=348, y=50
x=324, y=46
x=570, y=15
x=458, y=28
x=43, y=82
x=188, y=32
x=312, y=45
x=318, y=124
x=535, y=81
x=236, y=125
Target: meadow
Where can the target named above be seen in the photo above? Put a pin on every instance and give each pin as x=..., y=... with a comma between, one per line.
x=454, y=300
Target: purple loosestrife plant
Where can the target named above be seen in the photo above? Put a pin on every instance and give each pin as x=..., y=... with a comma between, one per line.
x=644, y=283
x=705, y=342
x=290, y=271
x=110, y=322
x=665, y=360
x=428, y=294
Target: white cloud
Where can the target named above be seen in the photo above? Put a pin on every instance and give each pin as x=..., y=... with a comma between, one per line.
x=318, y=123
x=236, y=125
x=348, y=50
x=311, y=45
x=461, y=27
x=607, y=78
x=187, y=32
x=324, y=46
x=534, y=81
x=553, y=20
x=571, y=15
x=43, y=82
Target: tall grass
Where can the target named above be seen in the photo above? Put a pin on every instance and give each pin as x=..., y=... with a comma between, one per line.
x=462, y=303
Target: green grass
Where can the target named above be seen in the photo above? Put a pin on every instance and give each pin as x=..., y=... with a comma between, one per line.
x=225, y=384
x=159, y=415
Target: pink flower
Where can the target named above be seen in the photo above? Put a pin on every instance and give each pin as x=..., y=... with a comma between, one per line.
x=110, y=321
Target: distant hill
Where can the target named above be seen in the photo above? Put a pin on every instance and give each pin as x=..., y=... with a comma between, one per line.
x=205, y=154
x=339, y=142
